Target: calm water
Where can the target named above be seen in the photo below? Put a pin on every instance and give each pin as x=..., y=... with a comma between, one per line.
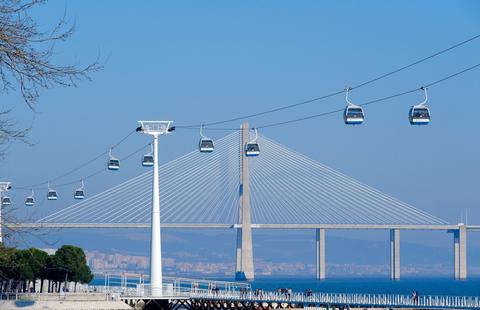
x=425, y=286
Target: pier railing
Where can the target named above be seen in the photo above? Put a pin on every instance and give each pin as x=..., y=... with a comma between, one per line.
x=185, y=288
x=373, y=300
x=240, y=294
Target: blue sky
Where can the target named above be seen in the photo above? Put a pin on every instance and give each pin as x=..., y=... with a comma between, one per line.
x=193, y=62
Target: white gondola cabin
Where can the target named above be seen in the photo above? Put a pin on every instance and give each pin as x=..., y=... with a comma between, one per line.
x=420, y=114
x=353, y=114
x=205, y=145
x=79, y=193
x=147, y=160
x=6, y=201
x=113, y=163
x=252, y=148
x=30, y=201
x=51, y=193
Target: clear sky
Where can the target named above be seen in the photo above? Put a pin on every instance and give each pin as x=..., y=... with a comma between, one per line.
x=199, y=61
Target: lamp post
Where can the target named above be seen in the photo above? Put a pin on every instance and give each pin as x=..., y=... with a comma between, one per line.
x=155, y=129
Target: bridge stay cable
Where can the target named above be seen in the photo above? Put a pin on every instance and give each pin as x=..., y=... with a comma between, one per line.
x=203, y=189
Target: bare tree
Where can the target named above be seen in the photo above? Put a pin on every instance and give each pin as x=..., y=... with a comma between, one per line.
x=27, y=65
x=26, y=60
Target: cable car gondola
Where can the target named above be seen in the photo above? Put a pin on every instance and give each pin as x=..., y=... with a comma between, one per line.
x=79, y=192
x=353, y=114
x=113, y=163
x=147, y=160
x=30, y=201
x=51, y=194
x=6, y=201
x=205, y=145
x=252, y=148
x=420, y=114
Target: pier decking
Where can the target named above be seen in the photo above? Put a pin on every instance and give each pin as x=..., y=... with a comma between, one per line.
x=204, y=294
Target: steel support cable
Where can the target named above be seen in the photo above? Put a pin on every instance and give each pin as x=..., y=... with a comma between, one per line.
x=218, y=199
x=312, y=183
x=268, y=189
x=227, y=186
x=181, y=195
x=143, y=213
x=223, y=200
x=75, y=211
x=259, y=201
x=217, y=196
x=388, y=201
x=114, y=202
x=198, y=200
x=303, y=199
x=286, y=190
x=192, y=182
x=129, y=208
x=309, y=184
x=137, y=215
x=125, y=204
x=104, y=206
x=342, y=198
x=221, y=155
x=234, y=195
x=232, y=183
x=293, y=160
x=109, y=201
x=193, y=157
x=368, y=102
x=90, y=200
x=247, y=116
x=78, y=167
x=147, y=192
x=300, y=191
x=280, y=191
x=364, y=187
x=167, y=166
x=296, y=160
x=90, y=175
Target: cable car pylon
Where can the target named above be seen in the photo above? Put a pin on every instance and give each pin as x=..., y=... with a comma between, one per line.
x=155, y=129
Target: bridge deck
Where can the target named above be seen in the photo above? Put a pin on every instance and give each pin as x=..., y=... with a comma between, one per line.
x=255, y=226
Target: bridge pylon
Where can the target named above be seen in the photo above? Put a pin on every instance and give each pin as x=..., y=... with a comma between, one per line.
x=244, y=252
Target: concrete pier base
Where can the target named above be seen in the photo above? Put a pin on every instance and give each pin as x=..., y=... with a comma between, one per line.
x=395, y=254
x=320, y=252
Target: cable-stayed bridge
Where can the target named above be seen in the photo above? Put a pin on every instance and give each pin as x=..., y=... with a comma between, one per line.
x=280, y=188
x=203, y=189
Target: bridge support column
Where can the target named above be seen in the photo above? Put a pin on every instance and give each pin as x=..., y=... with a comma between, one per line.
x=460, y=252
x=320, y=251
x=244, y=265
x=395, y=254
